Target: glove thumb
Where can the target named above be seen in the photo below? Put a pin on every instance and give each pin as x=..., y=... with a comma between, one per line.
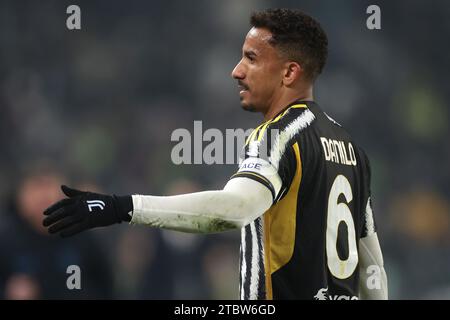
x=71, y=192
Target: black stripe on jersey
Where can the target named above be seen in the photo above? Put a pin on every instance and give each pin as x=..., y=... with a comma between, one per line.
x=248, y=261
x=257, y=177
x=254, y=281
x=241, y=279
x=261, y=273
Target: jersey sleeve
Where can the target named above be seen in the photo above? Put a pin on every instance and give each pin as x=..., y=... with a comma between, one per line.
x=269, y=156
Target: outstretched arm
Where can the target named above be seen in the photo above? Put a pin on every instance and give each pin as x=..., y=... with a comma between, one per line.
x=241, y=201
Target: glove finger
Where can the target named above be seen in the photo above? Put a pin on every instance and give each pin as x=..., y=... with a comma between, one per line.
x=58, y=215
x=70, y=192
x=58, y=205
x=65, y=224
x=72, y=230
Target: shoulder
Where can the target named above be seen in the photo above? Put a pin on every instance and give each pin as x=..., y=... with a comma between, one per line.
x=293, y=119
x=273, y=138
x=286, y=125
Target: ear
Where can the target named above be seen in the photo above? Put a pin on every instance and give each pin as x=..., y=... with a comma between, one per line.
x=292, y=72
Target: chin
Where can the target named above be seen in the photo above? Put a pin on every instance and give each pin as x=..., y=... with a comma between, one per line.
x=248, y=107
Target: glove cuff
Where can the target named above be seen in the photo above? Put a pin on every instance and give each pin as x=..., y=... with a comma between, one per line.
x=124, y=207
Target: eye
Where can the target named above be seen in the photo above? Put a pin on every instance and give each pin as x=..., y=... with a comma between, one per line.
x=251, y=58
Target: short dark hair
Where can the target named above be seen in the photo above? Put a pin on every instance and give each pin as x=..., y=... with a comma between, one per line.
x=297, y=35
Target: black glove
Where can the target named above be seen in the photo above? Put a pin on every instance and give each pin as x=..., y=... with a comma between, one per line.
x=86, y=210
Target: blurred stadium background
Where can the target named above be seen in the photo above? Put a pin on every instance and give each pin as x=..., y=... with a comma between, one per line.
x=95, y=108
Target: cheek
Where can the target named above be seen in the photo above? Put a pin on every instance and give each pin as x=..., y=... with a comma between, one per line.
x=267, y=82
x=258, y=77
x=268, y=74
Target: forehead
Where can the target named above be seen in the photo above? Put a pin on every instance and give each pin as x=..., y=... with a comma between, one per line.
x=257, y=40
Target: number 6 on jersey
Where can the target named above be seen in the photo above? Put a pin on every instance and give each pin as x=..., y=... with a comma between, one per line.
x=337, y=213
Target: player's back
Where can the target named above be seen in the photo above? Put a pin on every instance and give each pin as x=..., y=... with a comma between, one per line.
x=306, y=245
x=331, y=201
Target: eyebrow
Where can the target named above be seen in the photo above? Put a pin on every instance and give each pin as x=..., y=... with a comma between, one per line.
x=250, y=53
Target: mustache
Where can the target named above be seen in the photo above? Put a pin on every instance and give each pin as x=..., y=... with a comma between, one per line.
x=243, y=85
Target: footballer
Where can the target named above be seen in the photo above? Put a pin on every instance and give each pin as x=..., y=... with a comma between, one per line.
x=303, y=205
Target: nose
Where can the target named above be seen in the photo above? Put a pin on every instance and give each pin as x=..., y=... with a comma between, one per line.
x=238, y=71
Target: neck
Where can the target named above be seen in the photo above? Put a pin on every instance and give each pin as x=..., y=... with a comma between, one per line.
x=281, y=102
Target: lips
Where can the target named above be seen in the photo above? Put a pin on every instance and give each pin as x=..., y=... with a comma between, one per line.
x=242, y=91
x=242, y=88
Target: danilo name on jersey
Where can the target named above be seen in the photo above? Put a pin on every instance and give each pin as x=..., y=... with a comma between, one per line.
x=338, y=151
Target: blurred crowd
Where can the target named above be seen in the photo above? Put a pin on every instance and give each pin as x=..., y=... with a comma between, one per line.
x=95, y=109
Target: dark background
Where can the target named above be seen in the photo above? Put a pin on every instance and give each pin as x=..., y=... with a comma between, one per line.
x=95, y=108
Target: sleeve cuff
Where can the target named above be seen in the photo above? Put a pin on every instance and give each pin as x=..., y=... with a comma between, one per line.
x=257, y=177
x=125, y=207
x=261, y=171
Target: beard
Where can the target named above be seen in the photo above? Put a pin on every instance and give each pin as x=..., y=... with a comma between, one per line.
x=248, y=108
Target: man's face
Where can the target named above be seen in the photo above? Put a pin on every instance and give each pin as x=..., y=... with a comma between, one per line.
x=260, y=71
